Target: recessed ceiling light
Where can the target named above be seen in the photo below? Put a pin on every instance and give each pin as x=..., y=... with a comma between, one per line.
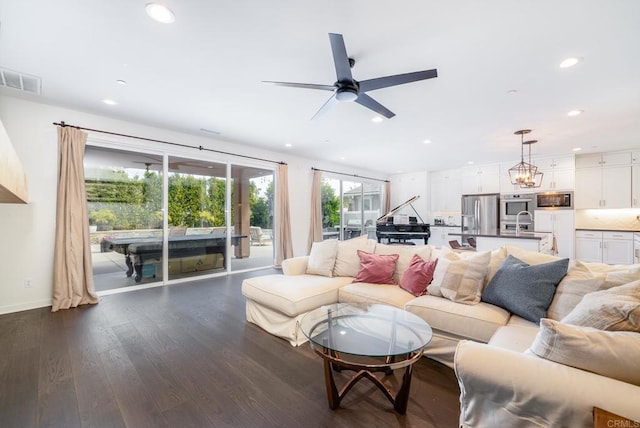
x=575, y=112
x=159, y=12
x=109, y=102
x=121, y=82
x=512, y=91
x=577, y=149
x=427, y=141
x=288, y=145
x=570, y=62
x=470, y=162
x=342, y=158
x=376, y=119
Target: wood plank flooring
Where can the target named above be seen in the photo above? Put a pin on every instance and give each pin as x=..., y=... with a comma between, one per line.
x=184, y=356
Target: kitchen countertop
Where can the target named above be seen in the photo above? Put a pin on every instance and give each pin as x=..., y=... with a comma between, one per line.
x=523, y=235
x=445, y=225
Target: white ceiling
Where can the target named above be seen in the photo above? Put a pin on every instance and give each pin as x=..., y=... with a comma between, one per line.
x=206, y=71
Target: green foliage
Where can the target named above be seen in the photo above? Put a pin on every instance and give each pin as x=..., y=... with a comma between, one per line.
x=124, y=202
x=330, y=206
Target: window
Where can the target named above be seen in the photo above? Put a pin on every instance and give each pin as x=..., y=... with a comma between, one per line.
x=350, y=208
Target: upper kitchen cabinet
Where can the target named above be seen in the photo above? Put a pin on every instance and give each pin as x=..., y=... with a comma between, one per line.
x=603, y=180
x=446, y=189
x=559, y=172
x=481, y=179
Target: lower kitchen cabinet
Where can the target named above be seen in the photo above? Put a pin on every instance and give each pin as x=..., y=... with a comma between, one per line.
x=440, y=235
x=604, y=246
x=561, y=223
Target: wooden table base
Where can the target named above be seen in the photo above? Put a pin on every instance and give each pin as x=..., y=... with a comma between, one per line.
x=399, y=400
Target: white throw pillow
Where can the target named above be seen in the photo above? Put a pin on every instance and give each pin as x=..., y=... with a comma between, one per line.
x=347, y=260
x=617, y=308
x=322, y=257
x=578, y=282
x=607, y=353
x=438, y=276
x=462, y=280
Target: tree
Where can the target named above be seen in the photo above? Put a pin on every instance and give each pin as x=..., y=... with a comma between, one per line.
x=330, y=206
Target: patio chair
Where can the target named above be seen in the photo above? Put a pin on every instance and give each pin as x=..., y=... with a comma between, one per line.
x=258, y=237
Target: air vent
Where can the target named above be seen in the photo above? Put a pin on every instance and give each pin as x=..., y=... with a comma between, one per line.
x=20, y=81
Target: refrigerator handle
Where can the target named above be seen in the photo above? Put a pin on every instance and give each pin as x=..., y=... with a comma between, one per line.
x=477, y=216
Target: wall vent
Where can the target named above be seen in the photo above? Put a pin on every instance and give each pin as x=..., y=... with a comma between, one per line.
x=20, y=81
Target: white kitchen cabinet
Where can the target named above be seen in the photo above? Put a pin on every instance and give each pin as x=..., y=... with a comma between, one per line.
x=440, y=235
x=589, y=246
x=558, y=172
x=617, y=248
x=604, y=247
x=603, y=187
x=603, y=159
x=635, y=186
x=481, y=179
x=561, y=223
x=446, y=189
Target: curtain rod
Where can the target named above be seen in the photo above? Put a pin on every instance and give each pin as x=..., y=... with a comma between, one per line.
x=62, y=124
x=351, y=175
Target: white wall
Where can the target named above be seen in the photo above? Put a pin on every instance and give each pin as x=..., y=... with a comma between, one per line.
x=27, y=231
x=405, y=186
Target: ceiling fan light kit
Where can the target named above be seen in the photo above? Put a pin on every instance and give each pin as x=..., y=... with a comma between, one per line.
x=525, y=174
x=347, y=89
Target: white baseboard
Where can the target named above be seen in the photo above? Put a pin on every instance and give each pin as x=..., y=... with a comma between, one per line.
x=25, y=306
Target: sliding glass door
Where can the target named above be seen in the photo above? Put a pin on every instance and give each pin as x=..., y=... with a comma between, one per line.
x=219, y=217
x=350, y=208
x=124, y=198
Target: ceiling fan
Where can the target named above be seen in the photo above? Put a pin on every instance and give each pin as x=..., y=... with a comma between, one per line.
x=346, y=88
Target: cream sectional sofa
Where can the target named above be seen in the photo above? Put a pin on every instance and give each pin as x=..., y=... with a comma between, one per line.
x=502, y=382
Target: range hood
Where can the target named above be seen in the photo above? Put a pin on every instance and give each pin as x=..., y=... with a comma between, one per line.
x=13, y=181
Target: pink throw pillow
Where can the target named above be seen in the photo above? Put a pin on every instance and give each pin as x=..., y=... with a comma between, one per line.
x=375, y=268
x=418, y=276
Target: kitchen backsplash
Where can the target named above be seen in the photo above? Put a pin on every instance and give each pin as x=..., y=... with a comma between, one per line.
x=623, y=219
x=447, y=217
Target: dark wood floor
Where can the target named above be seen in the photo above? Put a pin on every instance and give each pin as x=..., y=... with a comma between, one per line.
x=184, y=356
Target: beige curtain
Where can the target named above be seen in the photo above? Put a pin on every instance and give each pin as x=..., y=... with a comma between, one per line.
x=386, y=197
x=284, y=246
x=72, y=272
x=315, y=228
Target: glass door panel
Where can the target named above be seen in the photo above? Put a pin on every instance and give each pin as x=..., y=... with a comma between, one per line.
x=330, y=208
x=252, y=217
x=196, y=217
x=352, y=223
x=124, y=199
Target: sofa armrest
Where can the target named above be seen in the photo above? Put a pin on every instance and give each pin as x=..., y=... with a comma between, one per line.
x=295, y=265
x=506, y=388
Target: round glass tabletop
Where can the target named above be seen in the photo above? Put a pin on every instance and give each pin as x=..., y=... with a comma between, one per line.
x=373, y=330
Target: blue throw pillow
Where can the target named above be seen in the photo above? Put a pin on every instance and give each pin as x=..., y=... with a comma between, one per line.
x=523, y=289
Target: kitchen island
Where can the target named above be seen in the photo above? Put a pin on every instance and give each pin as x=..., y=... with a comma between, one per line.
x=532, y=241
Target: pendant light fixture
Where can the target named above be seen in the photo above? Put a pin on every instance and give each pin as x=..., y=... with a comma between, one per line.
x=525, y=174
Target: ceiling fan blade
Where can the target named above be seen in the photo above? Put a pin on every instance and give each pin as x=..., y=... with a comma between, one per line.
x=397, y=79
x=326, y=107
x=340, y=58
x=370, y=103
x=303, y=85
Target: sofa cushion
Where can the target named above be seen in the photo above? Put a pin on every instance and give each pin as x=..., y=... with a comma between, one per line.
x=322, y=257
x=418, y=275
x=516, y=336
x=293, y=295
x=347, y=260
x=617, y=308
x=477, y=322
x=526, y=290
x=462, y=280
x=611, y=354
x=376, y=269
x=405, y=253
x=530, y=257
x=363, y=292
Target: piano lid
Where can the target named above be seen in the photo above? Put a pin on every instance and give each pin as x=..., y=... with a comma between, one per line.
x=399, y=207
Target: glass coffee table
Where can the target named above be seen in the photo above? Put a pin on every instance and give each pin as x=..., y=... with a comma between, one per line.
x=366, y=338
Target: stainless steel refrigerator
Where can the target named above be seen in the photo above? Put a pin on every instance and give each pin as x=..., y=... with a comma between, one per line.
x=481, y=214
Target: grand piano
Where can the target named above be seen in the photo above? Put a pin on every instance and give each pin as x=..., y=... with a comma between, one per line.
x=401, y=232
